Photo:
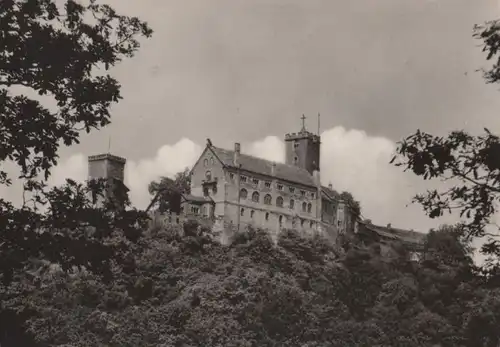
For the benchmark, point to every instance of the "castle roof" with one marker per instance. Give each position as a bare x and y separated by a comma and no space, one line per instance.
388,232
250,163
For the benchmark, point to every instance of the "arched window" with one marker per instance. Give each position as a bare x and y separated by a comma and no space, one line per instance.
208,175
268,200
212,161
279,201
309,207
255,196
304,207
243,193
252,213
267,215
242,212
205,162
292,204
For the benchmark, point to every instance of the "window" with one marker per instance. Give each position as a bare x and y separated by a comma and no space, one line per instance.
279,201
312,195
267,215
243,178
311,224
267,184
292,204
195,210
295,160
242,212
301,222
205,213
243,193
302,193
281,220
268,200
255,181
205,162
295,144
252,213
309,207
205,191
280,187
255,197
304,207
214,189
292,189
231,175
208,175
211,161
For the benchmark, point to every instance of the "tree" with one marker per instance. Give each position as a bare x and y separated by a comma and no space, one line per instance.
168,191
60,50
471,163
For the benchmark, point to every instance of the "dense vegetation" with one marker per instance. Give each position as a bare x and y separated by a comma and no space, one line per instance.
180,288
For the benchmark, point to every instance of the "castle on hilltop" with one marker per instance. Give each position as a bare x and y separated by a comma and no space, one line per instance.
232,190
246,190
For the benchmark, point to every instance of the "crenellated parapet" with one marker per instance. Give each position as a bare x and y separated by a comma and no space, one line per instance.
303,135
108,156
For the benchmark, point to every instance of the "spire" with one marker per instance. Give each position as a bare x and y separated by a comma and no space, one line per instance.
303,123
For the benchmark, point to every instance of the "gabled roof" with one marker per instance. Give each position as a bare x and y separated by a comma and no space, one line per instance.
330,193
261,166
407,236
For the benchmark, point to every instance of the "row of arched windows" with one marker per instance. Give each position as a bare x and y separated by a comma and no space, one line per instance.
280,218
268,200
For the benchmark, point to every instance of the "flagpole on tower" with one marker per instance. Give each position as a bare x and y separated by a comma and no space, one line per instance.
318,122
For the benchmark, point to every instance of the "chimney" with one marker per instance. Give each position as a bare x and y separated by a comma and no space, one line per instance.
330,186
389,226
273,169
237,152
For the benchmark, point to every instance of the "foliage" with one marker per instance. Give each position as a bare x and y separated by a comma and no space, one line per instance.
54,84
169,191
296,292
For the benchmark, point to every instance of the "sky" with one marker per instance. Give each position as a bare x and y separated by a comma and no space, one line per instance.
245,71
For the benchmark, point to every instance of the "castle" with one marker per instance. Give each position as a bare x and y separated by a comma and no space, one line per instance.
236,190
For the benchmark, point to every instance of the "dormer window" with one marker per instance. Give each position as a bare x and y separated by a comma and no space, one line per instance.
292,189
280,187
243,178
267,184
255,181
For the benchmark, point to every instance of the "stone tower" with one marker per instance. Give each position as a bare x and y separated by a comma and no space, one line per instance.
109,167
303,149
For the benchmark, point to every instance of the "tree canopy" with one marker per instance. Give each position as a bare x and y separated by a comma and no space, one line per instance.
54,85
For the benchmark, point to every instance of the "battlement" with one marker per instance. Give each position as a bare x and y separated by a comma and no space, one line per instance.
107,156
302,135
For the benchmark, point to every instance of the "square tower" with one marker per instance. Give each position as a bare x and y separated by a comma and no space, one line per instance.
303,149
109,167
